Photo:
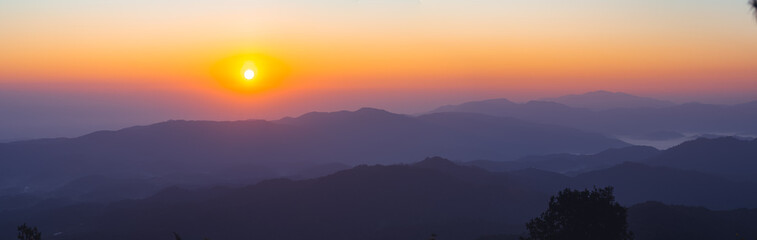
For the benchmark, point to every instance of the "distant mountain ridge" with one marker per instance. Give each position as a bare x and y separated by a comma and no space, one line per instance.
605,100
228,152
571,163
632,119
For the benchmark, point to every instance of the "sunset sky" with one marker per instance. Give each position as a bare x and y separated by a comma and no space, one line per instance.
112,64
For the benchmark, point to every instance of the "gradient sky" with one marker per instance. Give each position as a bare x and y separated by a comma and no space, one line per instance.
68,67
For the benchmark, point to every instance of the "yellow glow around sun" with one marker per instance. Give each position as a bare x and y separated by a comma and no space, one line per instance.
237,73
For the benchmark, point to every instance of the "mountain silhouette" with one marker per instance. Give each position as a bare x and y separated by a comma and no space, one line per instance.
604,100
624,121
659,136
405,201
366,202
657,221
571,163
636,183
726,156
244,152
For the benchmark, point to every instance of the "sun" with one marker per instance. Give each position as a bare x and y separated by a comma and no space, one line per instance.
249,74
248,69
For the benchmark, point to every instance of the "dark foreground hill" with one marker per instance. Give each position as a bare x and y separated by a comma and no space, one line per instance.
657,221
245,152
366,202
373,202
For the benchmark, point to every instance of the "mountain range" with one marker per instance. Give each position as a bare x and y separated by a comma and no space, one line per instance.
632,117
571,164
605,100
384,202
244,152
726,157
353,175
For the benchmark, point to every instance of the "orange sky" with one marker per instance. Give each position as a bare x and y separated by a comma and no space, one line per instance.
336,54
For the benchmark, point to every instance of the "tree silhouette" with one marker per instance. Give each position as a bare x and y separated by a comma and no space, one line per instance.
754,6
27,233
585,215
